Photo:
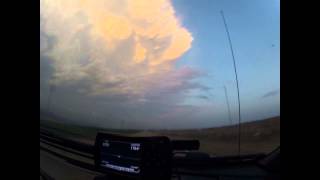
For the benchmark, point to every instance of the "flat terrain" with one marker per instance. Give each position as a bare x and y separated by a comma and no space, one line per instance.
256,137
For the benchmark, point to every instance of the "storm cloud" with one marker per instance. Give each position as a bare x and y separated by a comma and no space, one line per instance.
111,42
114,61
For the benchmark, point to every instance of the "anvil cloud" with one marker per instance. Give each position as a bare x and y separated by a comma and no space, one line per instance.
115,45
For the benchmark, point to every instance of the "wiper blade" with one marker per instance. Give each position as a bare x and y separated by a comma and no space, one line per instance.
200,159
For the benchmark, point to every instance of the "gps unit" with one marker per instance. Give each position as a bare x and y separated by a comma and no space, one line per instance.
134,157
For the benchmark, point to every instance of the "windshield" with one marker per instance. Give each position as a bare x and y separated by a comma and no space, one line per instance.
163,67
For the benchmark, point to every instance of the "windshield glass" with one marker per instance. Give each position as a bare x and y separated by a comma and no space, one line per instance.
163,67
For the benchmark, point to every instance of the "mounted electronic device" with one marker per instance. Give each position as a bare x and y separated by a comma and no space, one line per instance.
134,157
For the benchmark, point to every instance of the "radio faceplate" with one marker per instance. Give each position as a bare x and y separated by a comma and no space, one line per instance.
135,157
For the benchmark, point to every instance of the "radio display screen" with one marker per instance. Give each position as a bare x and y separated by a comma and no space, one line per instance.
140,157
121,156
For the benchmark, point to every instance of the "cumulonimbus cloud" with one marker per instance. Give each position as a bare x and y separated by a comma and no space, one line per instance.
117,46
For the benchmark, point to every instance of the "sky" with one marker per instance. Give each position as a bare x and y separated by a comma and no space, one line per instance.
158,64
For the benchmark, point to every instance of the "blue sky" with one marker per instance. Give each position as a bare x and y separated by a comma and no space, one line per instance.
254,27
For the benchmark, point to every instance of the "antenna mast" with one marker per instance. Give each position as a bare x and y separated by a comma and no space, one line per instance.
237,82
228,104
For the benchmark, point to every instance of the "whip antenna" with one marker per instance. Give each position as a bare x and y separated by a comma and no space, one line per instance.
237,82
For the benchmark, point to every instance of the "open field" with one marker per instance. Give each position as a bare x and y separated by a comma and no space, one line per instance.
256,137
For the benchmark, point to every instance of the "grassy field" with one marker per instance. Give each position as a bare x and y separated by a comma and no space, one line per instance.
256,137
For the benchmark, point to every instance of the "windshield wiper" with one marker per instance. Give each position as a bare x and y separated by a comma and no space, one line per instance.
201,159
